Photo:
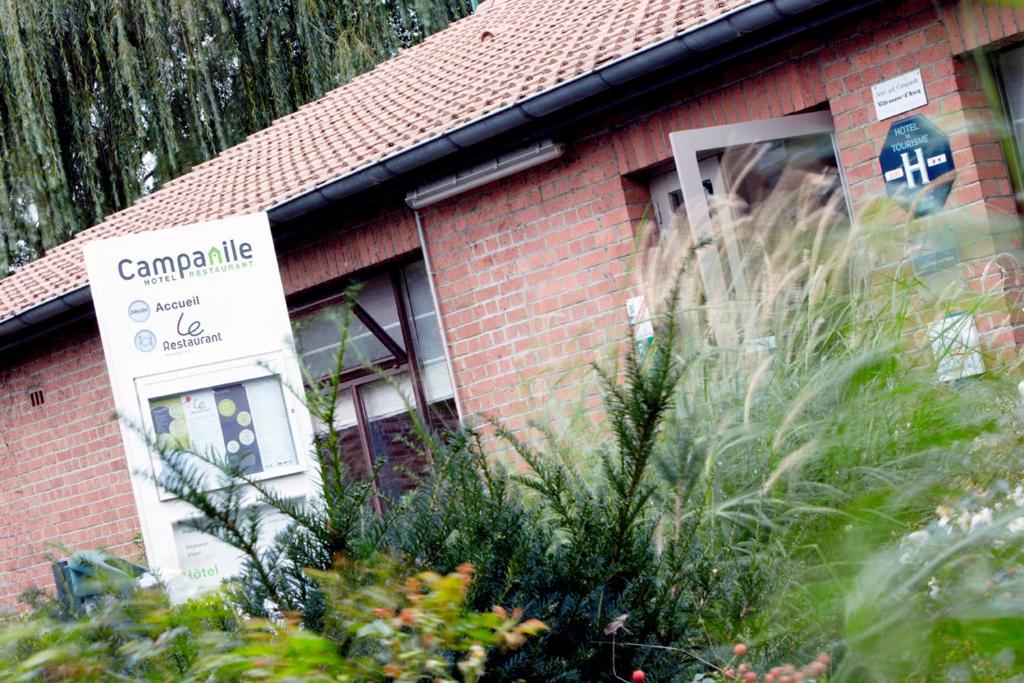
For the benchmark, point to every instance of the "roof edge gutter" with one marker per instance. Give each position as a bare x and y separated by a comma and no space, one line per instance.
24,322
688,46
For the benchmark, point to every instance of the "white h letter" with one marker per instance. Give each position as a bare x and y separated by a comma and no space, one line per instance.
920,166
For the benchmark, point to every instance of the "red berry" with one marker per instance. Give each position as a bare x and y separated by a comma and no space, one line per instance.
740,650
769,677
750,677
824,658
639,676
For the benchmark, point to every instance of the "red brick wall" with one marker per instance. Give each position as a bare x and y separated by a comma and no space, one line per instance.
531,273
64,476
361,242
990,23
913,35
837,71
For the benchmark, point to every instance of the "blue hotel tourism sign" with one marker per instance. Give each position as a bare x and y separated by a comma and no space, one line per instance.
916,155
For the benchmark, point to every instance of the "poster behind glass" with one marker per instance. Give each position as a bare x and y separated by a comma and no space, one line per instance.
245,421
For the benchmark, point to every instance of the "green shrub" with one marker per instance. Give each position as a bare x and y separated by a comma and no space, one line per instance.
813,434
568,548
380,627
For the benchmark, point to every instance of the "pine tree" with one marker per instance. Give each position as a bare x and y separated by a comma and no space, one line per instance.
571,547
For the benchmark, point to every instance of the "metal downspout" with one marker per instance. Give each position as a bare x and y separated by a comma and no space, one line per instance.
437,310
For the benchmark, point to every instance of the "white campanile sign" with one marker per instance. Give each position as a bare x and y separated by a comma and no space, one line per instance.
200,354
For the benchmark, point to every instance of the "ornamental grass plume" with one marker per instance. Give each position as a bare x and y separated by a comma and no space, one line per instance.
810,428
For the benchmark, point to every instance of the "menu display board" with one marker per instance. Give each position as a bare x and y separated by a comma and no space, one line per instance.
231,419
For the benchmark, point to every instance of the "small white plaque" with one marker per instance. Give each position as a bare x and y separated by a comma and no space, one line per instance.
898,95
956,347
640,319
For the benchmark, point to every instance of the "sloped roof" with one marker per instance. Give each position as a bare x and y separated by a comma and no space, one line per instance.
508,51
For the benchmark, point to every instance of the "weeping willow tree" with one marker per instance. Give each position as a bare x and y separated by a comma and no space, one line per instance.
101,101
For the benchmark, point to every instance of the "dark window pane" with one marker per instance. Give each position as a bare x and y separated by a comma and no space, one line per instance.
444,416
352,456
393,442
392,445
418,287
427,333
377,297
318,335
1012,67
401,464
349,452
755,172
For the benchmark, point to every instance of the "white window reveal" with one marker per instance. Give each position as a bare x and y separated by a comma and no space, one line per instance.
1011,71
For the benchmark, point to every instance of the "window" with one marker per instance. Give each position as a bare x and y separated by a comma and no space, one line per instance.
395,327
1011,70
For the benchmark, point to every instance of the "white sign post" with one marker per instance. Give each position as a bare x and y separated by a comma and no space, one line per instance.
200,354
898,95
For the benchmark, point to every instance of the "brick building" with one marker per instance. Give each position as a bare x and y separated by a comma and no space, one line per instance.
487,187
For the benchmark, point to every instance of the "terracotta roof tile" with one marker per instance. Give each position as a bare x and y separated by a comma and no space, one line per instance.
506,52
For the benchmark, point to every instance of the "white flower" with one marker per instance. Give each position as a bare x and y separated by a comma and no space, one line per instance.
981,517
1017,496
963,520
919,537
1016,525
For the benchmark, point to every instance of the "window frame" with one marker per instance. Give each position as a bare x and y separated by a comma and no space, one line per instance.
689,146
334,292
1013,146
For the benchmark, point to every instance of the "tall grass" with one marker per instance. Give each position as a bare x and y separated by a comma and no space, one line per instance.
810,431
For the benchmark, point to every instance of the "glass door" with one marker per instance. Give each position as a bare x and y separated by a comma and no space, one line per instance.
726,174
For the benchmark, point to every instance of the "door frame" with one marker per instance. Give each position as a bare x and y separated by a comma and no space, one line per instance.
690,146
